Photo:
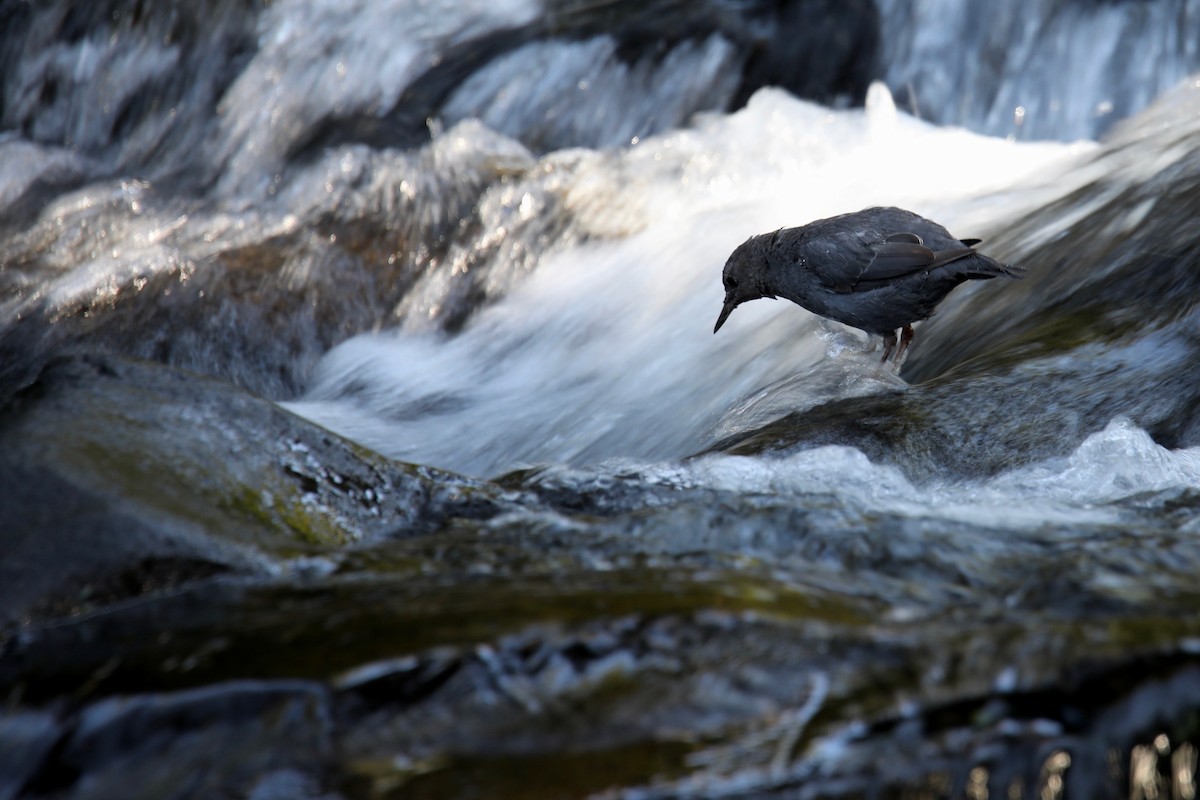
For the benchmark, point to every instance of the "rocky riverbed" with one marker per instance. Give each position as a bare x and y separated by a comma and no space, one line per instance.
363,433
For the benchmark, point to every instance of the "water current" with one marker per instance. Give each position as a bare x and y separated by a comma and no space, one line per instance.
606,551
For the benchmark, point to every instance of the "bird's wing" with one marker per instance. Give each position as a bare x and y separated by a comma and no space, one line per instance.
885,259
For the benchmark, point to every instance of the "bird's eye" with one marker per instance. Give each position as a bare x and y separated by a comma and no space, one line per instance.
731,283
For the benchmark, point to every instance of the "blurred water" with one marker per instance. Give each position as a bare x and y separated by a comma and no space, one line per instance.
229,93
1037,69
318,58
588,94
607,349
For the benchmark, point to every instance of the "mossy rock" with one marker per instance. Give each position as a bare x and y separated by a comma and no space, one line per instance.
110,463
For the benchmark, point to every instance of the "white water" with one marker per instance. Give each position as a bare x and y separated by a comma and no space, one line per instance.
607,350
322,56
1114,464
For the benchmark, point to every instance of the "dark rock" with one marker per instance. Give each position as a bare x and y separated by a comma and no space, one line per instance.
121,478
639,632
257,298
26,739
1109,276
983,424
609,62
66,81
820,50
175,745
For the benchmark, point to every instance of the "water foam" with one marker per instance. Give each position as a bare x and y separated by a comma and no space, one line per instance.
1089,485
607,349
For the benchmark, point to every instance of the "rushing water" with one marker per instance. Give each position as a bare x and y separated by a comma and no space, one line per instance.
607,349
1035,69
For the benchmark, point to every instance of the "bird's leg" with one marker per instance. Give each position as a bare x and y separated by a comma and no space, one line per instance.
889,344
906,337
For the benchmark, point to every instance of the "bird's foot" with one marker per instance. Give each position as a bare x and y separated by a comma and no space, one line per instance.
901,350
889,344
906,337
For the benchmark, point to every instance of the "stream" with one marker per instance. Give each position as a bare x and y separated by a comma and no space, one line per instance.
363,433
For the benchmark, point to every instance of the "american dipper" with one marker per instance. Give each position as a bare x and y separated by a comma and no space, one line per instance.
880,269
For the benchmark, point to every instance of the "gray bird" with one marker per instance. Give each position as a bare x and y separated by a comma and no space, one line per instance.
880,270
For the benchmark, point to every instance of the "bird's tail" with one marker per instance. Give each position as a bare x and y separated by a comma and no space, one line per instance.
981,268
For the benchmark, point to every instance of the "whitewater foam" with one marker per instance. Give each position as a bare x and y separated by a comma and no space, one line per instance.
606,350
1113,465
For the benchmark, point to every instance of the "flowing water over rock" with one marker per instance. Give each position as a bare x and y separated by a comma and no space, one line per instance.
1036,69
364,434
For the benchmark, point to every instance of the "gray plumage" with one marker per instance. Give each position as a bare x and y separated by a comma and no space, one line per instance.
880,270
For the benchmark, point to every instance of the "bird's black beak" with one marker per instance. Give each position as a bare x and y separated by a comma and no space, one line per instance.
730,305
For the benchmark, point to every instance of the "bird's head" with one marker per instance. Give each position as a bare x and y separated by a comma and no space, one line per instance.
745,274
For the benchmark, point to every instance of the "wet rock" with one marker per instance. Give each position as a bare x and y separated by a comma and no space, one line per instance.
172,745
255,296
824,51
1109,262
123,478
617,67
643,630
206,95
121,85
982,425
1008,72
26,738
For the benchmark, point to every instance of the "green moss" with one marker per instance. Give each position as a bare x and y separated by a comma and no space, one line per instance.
145,464
286,514
149,482
871,423
256,631
385,560
1055,332
528,777
233,510
1162,631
